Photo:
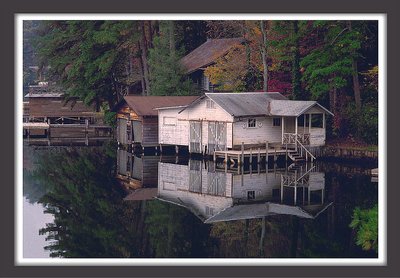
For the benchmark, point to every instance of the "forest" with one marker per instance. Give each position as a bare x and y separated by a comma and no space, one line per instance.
333,62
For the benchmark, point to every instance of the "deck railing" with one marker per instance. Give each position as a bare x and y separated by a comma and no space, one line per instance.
290,138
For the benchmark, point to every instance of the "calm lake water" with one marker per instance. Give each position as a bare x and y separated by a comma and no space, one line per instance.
104,202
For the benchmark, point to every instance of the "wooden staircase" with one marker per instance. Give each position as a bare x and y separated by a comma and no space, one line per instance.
301,153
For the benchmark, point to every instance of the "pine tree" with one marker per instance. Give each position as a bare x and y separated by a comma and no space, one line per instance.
166,74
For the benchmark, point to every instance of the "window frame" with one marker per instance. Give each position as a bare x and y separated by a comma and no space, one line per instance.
275,119
248,123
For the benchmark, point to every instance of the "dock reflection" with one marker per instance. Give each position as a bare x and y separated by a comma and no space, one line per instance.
215,193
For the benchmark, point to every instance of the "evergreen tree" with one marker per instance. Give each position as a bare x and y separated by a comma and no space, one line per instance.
88,58
166,74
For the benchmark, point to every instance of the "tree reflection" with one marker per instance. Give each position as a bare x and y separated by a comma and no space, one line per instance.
90,218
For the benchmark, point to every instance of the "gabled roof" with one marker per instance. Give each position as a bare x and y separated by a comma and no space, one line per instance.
44,95
142,194
292,107
145,105
245,104
208,52
259,210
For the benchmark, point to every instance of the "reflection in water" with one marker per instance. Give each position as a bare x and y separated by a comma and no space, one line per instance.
169,207
215,196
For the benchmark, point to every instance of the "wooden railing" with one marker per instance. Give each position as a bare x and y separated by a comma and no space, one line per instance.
293,179
304,149
290,138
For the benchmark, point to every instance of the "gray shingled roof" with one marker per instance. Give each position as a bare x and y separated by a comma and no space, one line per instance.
251,211
44,95
292,107
245,104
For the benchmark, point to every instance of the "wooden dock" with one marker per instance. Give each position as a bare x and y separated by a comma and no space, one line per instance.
42,133
252,154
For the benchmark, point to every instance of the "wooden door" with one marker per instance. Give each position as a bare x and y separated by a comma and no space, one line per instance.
195,178
216,137
195,137
136,131
121,127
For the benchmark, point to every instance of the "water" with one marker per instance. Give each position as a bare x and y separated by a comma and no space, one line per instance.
109,203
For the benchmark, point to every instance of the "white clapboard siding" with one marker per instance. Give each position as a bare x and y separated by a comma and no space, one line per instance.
262,184
257,135
316,181
317,136
173,185
315,109
172,130
201,112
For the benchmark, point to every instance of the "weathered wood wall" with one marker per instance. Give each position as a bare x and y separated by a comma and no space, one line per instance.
54,107
149,131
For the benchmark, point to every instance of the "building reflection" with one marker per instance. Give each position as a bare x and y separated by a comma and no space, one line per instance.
216,195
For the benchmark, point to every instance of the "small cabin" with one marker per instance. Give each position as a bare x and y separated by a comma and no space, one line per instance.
137,121
225,121
205,55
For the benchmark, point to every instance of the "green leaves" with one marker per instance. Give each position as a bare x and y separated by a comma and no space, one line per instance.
365,222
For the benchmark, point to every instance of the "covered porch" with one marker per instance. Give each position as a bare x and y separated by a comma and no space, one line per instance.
300,128
302,122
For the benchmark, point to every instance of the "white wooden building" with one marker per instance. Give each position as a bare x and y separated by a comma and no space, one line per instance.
215,196
223,121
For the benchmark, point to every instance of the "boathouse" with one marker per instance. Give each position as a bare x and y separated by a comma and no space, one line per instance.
137,121
227,121
50,120
46,104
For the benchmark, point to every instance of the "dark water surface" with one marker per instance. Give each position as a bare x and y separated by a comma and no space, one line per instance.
104,202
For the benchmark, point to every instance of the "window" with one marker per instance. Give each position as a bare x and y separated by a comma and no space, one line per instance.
302,118
251,123
205,83
209,211
276,121
169,121
210,104
317,120
251,195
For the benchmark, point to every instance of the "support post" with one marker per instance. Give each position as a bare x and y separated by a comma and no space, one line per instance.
266,156
238,163
242,157
251,155
259,156
283,126
295,187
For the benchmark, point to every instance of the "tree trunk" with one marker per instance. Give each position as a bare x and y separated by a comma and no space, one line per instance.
262,238
143,48
264,55
142,82
149,23
296,83
356,82
171,31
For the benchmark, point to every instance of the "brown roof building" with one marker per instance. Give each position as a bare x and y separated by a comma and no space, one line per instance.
205,55
137,119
